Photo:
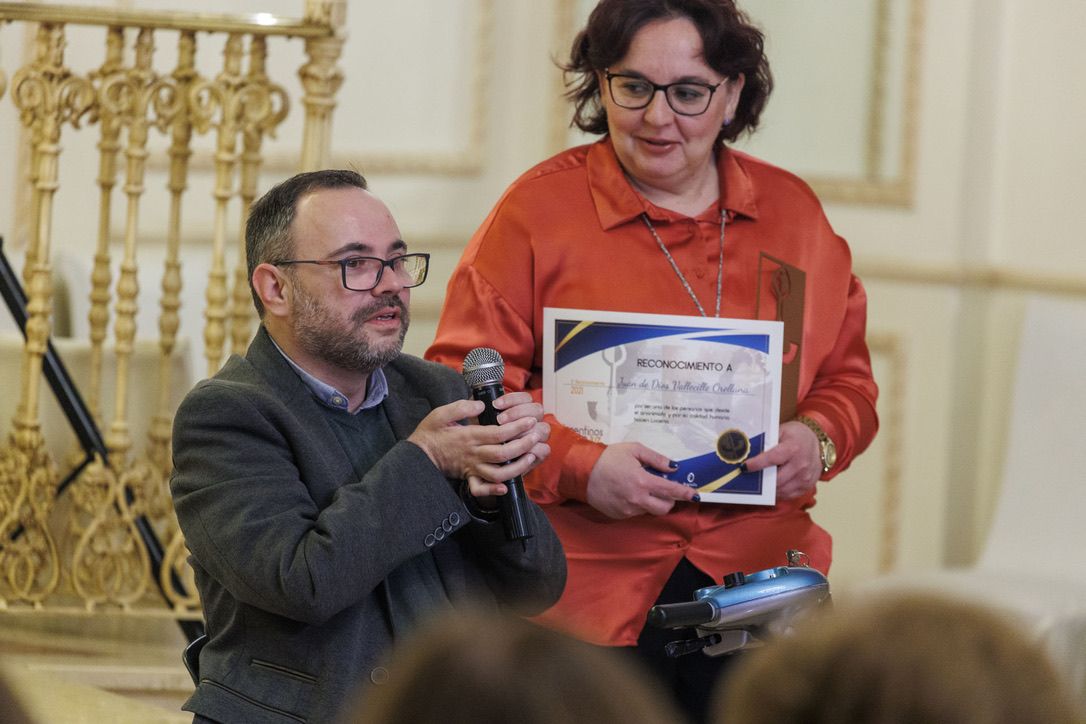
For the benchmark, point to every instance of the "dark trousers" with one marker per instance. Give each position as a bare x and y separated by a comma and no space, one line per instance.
692,679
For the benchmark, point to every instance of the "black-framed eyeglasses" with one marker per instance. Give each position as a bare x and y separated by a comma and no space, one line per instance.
687,98
363,273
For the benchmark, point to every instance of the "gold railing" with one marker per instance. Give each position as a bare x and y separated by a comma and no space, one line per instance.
86,550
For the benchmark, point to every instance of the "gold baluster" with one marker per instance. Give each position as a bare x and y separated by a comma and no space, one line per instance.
47,96
207,97
156,500
108,148
110,562
93,493
170,321
35,203
140,82
35,193
321,79
264,105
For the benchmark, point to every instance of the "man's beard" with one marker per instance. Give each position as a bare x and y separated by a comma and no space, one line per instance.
317,333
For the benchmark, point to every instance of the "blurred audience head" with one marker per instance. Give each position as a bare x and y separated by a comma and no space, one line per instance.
899,659
474,668
12,710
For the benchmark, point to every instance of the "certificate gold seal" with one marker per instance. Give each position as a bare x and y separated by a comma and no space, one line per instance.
733,446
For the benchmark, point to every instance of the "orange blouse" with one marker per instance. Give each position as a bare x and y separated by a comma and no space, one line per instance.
568,234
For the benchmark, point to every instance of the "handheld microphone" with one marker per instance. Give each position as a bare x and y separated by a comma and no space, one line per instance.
483,371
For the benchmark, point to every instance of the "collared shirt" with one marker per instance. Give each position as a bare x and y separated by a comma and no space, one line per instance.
376,390
568,233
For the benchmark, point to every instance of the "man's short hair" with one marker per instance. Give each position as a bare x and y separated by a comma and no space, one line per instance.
267,231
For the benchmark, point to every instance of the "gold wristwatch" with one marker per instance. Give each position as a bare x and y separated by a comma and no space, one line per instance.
826,449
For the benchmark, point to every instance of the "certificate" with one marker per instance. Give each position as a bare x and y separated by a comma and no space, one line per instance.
703,391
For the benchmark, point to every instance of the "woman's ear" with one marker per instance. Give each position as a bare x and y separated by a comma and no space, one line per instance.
273,289
734,90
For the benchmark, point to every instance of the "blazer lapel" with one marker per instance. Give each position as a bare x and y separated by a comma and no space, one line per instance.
269,362
405,407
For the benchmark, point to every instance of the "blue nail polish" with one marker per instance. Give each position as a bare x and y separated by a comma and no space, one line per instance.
672,464
696,498
743,468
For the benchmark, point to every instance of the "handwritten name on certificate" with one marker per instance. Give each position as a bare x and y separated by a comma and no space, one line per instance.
705,392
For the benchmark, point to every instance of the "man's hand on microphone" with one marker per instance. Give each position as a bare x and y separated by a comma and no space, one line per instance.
480,453
620,486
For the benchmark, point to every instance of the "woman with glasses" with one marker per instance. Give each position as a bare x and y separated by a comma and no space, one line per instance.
661,216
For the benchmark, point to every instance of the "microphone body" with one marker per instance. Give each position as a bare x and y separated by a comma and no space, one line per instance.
483,371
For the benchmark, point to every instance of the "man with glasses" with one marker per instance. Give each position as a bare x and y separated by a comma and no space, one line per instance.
327,492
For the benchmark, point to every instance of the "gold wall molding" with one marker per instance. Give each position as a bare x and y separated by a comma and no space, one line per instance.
891,430
468,160
872,188
564,28
992,277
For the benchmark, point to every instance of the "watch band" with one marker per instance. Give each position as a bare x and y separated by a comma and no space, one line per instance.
826,449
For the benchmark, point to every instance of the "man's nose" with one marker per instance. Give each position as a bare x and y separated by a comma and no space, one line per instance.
389,283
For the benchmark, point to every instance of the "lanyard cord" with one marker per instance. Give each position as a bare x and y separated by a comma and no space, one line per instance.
678,272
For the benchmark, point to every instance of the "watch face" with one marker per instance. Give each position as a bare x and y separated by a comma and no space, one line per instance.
829,454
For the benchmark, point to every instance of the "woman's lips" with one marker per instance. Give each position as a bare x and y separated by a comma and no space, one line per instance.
657,144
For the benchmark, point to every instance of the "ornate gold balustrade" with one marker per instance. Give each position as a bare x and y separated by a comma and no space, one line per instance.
84,550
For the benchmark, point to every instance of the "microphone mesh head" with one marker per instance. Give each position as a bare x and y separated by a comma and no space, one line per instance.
483,366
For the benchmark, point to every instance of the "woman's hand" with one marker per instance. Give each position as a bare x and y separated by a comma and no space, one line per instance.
798,461
512,407
619,485
491,454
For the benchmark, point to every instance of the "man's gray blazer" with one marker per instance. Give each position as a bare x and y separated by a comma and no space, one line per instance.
290,548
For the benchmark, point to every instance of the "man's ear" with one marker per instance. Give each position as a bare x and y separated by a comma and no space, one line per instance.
271,285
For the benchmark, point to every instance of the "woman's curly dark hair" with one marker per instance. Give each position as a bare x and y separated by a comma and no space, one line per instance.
733,46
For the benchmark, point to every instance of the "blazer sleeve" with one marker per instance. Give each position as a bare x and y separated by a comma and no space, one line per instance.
526,578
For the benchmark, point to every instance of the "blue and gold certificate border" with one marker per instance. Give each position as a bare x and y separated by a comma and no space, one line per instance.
570,335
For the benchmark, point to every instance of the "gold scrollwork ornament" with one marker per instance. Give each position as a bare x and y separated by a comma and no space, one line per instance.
29,562
110,562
